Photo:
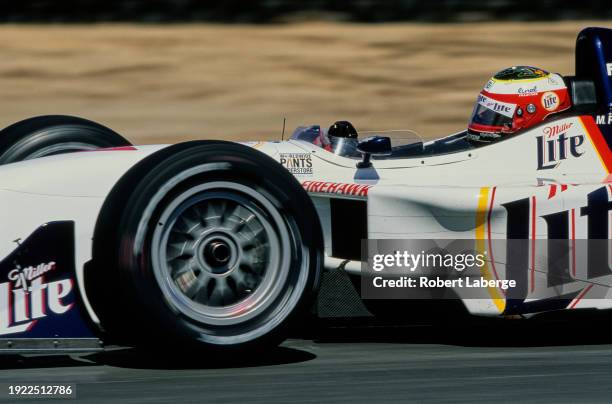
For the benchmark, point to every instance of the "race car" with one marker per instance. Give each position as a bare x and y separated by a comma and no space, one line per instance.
219,245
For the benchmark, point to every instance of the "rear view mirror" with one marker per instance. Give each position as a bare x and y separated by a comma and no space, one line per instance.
373,146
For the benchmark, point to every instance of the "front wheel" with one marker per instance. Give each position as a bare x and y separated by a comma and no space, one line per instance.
216,245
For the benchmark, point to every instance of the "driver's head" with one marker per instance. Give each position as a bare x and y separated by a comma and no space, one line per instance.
516,98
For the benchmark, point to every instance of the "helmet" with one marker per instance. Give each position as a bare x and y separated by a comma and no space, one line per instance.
516,98
342,129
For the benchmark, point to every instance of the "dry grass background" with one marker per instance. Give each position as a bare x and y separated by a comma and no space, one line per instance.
165,83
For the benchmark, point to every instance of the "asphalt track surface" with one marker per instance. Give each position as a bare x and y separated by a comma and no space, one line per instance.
476,364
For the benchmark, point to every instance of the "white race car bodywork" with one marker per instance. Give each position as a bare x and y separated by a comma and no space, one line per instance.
448,196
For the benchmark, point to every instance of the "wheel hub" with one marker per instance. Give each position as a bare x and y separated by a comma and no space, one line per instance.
219,253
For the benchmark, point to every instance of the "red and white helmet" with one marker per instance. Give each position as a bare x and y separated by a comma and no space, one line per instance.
516,98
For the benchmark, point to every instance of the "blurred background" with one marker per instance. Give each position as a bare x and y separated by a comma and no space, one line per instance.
170,70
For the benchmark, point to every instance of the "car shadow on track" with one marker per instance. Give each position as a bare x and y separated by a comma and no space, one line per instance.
39,362
552,330
138,359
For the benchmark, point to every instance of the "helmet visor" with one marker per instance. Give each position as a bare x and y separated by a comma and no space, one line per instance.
492,113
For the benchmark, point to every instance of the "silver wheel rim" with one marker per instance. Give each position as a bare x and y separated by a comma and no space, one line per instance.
221,253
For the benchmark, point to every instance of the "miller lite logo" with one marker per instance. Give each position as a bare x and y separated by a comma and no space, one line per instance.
593,253
550,101
555,146
26,297
503,108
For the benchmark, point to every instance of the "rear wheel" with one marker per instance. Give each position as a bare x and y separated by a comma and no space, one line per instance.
54,134
210,244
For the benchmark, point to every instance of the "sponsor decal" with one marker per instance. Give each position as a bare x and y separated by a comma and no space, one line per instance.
25,297
297,163
550,101
554,130
555,146
38,292
23,276
489,84
605,119
336,188
596,211
503,108
527,91
609,68
522,250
